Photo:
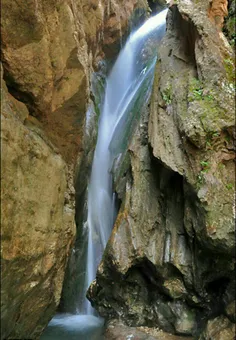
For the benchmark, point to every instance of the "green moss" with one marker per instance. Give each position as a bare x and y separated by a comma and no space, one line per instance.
211,138
230,24
200,179
212,135
229,69
205,167
167,95
196,91
221,166
229,186
211,116
208,108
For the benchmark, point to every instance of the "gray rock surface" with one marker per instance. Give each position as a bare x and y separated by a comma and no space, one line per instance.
169,261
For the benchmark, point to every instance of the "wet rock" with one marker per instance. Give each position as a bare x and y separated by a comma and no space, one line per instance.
117,331
219,328
230,310
229,301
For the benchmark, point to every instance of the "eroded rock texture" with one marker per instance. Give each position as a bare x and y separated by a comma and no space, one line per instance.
218,11
170,259
49,51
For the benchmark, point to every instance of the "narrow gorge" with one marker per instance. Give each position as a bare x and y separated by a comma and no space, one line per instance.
118,170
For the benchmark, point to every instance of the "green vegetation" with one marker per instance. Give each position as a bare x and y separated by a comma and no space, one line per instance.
200,179
231,29
211,137
229,186
230,24
167,95
215,134
230,70
227,138
196,91
209,109
205,167
98,87
221,166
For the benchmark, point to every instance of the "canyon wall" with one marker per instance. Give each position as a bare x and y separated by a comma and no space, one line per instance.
49,52
169,262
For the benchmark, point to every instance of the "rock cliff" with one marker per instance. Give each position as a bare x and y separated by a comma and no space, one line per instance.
170,259
37,227
49,52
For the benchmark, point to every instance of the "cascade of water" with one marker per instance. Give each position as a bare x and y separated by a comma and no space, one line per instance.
133,67
127,91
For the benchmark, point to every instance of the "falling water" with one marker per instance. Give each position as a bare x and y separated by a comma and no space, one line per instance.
134,66
128,89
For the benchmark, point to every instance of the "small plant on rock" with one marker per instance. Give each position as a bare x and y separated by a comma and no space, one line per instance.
167,96
205,166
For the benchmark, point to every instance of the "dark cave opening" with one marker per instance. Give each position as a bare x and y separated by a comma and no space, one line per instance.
218,286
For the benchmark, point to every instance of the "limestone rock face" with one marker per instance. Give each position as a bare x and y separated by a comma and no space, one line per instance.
37,230
169,261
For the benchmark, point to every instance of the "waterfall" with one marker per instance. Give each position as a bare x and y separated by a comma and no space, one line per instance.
133,68
127,91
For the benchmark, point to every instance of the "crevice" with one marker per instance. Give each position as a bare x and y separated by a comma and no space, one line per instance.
24,97
218,286
186,34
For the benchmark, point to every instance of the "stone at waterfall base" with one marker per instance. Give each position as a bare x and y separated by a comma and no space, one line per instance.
116,330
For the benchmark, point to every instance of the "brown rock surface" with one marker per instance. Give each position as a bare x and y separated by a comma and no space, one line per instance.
218,11
37,230
49,51
48,55
219,328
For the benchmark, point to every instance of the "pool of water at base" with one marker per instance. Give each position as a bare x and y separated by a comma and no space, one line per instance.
74,327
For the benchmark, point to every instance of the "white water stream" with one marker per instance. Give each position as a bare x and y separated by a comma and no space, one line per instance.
129,82
132,67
